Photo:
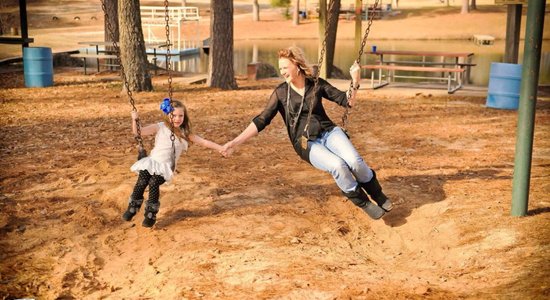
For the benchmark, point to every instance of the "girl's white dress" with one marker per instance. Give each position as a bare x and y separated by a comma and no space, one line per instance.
159,160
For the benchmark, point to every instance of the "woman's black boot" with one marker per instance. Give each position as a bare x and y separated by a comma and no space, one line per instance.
374,190
133,208
359,198
151,210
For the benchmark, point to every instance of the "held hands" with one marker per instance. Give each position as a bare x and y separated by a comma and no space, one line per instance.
227,149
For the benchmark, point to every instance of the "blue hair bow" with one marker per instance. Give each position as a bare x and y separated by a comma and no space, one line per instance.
165,106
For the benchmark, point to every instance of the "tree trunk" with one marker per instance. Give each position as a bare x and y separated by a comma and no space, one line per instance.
322,29
296,14
358,24
255,11
473,5
331,37
111,26
111,21
220,71
132,46
465,7
183,2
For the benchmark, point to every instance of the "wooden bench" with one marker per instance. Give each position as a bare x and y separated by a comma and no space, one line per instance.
453,75
99,56
16,40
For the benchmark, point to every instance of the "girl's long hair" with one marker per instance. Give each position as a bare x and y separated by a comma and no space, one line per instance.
297,57
185,127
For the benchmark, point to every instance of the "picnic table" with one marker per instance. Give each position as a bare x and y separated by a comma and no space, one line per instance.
105,51
452,66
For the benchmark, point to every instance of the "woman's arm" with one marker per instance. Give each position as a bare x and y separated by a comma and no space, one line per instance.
147,130
333,94
248,133
204,142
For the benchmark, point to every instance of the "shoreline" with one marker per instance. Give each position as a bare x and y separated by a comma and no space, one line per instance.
422,24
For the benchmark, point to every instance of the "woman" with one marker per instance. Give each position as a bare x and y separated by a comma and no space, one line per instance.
314,136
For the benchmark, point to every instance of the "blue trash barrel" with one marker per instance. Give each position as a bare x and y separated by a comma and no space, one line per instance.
38,66
504,86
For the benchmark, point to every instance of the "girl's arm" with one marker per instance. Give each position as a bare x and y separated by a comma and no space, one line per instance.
147,130
248,133
204,142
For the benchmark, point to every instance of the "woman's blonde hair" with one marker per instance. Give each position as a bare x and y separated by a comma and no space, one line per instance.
185,127
296,56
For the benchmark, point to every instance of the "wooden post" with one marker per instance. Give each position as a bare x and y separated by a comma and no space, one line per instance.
513,25
24,25
358,24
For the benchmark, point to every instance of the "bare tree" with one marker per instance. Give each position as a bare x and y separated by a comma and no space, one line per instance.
296,14
112,33
111,21
465,7
255,11
333,13
132,46
220,71
322,29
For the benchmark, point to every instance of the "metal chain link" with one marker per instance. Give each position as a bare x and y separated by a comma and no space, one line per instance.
170,90
110,31
319,65
358,61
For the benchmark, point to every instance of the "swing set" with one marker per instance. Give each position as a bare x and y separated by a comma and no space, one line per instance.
357,60
141,149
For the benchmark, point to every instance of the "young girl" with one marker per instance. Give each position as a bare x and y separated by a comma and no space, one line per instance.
156,169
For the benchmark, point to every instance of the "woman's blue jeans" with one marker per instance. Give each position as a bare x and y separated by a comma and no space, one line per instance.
334,153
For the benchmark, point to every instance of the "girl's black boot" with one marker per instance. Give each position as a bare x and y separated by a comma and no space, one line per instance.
151,210
374,190
133,208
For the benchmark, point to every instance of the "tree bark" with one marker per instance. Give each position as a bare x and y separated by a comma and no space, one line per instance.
322,28
465,7
358,24
111,21
255,11
132,46
331,37
220,71
296,14
111,26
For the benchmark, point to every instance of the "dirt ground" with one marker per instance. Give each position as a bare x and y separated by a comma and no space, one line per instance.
263,224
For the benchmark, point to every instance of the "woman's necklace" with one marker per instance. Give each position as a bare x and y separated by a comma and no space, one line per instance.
293,117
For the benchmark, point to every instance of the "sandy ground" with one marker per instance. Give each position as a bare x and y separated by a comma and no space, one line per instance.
263,224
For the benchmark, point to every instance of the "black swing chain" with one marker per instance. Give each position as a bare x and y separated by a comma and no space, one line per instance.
170,90
358,61
319,65
110,30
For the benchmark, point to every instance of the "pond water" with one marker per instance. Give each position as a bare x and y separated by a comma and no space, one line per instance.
266,51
